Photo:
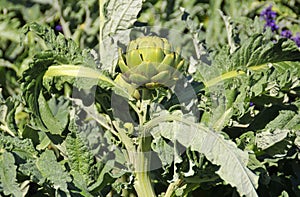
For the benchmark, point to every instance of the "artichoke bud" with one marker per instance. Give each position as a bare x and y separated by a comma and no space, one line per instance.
169,59
180,65
161,77
147,69
150,62
166,46
178,60
150,69
138,78
133,58
132,45
124,68
152,54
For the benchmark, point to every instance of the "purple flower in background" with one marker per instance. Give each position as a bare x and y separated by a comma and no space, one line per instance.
58,28
269,16
296,39
286,33
272,25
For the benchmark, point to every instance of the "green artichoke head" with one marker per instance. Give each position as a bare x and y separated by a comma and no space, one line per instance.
150,62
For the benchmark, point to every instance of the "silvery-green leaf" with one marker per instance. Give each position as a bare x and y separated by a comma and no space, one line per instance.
232,161
116,17
8,175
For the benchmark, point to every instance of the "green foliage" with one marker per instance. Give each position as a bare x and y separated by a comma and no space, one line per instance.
8,174
54,115
8,109
117,17
221,152
80,159
228,127
21,147
53,174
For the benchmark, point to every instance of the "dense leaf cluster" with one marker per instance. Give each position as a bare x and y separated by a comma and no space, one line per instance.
230,126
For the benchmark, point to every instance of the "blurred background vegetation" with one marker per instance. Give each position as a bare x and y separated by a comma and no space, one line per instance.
80,20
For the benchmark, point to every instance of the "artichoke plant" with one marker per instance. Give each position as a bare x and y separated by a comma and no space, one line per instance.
150,62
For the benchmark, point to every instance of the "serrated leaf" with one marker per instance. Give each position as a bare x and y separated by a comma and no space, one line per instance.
257,51
232,161
30,169
79,158
22,147
256,69
79,182
274,136
8,173
253,55
32,84
116,16
53,172
120,15
268,138
164,151
232,35
60,51
285,120
65,50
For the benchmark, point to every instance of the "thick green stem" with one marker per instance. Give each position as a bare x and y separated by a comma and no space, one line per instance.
146,97
142,184
172,187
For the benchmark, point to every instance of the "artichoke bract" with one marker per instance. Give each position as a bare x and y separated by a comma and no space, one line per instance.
150,62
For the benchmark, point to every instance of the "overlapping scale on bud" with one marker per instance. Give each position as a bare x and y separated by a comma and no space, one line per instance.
150,62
